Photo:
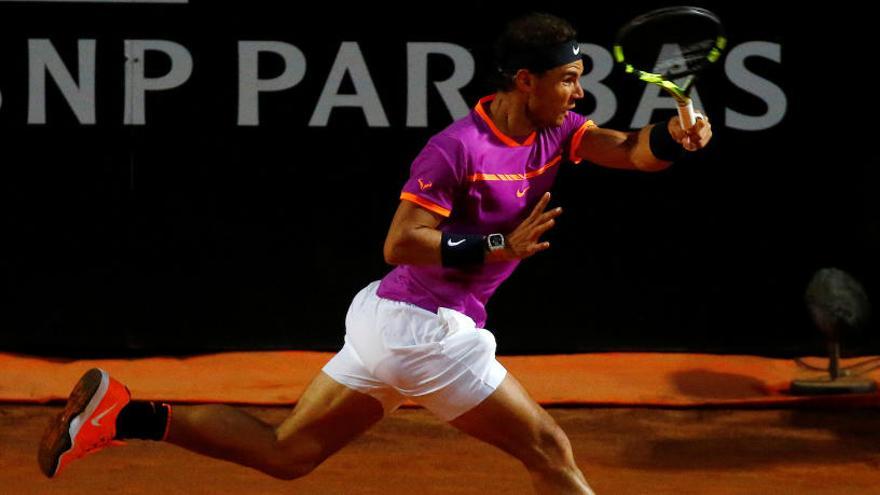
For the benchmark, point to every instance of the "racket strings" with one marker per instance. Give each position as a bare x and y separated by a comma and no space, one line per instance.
670,47
682,62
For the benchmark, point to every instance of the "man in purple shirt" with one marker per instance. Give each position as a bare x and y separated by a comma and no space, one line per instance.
479,181
475,205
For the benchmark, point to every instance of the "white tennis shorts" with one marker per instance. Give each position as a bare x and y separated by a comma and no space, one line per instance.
395,351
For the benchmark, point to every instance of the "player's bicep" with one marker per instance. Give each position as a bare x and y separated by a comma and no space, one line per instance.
410,215
617,149
608,147
413,236
427,199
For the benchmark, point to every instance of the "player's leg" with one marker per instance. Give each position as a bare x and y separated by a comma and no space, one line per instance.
512,421
460,381
327,417
342,402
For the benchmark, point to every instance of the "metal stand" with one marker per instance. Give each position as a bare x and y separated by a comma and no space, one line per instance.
837,382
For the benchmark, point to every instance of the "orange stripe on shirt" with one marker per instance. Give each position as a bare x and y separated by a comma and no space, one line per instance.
553,163
576,141
516,177
424,203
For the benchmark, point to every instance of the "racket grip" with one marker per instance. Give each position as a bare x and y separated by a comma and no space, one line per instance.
686,114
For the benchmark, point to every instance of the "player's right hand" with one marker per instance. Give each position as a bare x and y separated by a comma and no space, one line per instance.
695,138
525,241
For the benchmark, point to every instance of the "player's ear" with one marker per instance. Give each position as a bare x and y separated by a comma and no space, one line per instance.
524,80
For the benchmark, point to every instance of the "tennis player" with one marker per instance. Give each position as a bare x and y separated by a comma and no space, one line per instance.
475,205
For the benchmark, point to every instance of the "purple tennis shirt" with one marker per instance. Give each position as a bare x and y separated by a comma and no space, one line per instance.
483,182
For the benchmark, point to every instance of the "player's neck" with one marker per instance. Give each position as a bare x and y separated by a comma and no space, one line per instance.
508,113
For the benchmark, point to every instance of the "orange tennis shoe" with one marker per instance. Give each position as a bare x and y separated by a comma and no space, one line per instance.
87,423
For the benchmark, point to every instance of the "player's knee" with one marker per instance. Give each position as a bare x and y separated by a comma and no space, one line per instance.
286,470
551,450
289,464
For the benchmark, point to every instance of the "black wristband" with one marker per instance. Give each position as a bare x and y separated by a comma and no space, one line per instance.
663,147
457,250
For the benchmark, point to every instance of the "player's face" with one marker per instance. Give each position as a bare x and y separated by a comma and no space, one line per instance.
555,93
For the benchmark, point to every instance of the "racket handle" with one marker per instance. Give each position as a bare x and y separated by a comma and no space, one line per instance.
686,114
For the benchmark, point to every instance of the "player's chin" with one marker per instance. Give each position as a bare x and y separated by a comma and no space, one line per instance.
553,120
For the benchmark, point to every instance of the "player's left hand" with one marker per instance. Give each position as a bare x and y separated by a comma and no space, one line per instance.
695,138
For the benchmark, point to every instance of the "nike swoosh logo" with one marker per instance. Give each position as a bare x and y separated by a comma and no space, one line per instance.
96,421
456,243
576,49
425,185
521,193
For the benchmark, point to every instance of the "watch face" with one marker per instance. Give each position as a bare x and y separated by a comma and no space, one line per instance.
496,241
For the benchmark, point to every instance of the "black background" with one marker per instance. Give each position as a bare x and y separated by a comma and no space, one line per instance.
193,234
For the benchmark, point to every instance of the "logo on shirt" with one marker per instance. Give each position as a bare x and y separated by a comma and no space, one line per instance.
576,49
425,185
522,192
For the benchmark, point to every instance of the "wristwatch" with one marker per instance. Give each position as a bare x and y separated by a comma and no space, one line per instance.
495,242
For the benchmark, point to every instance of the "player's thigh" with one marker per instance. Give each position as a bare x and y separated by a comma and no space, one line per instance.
327,416
512,421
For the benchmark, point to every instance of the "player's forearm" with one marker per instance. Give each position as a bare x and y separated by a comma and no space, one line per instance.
415,246
643,156
622,150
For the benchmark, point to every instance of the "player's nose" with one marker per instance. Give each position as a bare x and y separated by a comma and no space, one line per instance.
578,90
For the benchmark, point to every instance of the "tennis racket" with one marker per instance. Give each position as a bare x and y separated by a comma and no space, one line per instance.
646,48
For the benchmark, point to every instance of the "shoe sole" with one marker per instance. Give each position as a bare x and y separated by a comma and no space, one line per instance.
61,432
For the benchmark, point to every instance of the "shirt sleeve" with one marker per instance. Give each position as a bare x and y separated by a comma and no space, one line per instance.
435,179
576,127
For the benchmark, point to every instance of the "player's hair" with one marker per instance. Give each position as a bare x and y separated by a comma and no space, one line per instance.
524,34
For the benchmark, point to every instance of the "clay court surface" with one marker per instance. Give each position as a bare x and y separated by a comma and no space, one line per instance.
639,424
621,450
